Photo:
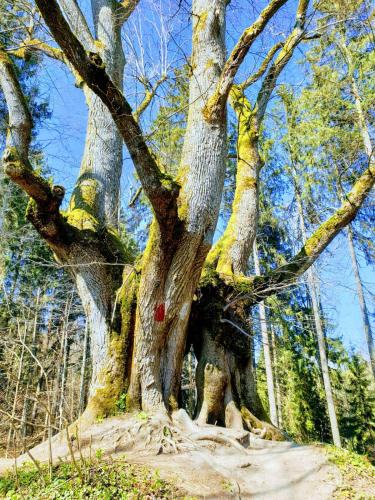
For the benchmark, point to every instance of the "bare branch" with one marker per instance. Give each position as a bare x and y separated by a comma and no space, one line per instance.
161,191
149,95
135,197
216,103
282,60
263,67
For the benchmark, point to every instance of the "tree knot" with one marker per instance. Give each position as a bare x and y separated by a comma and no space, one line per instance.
95,59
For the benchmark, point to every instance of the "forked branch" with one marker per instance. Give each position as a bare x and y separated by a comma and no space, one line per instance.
216,104
162,192
282,60
44,212
264,286
262,68
149,95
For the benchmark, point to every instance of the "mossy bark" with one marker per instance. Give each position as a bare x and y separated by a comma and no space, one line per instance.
115,372
231,253
169,276
173,261
225,376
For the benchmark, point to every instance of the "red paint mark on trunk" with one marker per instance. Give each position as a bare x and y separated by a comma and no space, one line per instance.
159,314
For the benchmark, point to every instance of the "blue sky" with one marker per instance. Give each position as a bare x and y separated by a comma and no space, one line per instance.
62,139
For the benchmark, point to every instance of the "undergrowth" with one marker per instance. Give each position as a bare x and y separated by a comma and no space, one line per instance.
357,472
104,480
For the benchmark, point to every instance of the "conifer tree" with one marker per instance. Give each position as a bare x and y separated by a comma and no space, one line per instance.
358,421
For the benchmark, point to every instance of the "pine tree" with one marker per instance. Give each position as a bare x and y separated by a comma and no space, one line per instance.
358,422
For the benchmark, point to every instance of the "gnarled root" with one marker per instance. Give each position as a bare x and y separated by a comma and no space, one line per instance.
194,432
151,434
262,429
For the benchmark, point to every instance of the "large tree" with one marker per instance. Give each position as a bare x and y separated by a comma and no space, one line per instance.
140,315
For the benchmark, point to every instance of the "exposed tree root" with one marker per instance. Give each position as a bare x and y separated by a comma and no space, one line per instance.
262,429
145,435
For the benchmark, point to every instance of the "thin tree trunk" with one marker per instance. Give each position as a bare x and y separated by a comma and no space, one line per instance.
311,282
23,429
31,370
362,301
37,392
266,346
369,150
63,379
16,390
362,122
82,384
277,381
57,378
65,357
357,277
319,332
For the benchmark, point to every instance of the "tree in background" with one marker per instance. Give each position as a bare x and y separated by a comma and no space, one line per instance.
357,422
38,329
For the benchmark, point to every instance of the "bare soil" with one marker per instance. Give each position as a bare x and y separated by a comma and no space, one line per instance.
203,461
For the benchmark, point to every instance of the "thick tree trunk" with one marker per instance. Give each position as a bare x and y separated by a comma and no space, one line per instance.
94,209
109,308
138,320
174,258
225,374
231,253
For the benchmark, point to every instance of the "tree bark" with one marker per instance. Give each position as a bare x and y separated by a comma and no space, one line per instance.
16,389
277,380
172,263
362,301
266,348
82,384
138,316
225,375
65,361
218,364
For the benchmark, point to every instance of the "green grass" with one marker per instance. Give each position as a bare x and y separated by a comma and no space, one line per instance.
358,474
104,480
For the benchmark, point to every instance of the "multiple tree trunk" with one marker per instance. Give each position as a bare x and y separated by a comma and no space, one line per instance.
141,318
311,283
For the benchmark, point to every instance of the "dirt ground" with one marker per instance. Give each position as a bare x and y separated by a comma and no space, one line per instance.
208,468
282,473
